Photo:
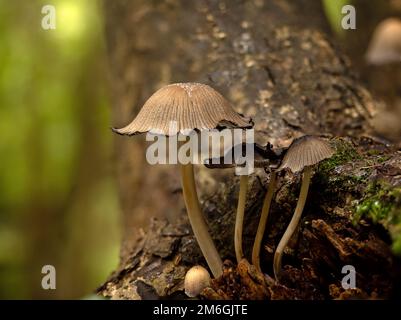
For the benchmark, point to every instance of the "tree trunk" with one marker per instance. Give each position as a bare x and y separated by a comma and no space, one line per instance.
274,62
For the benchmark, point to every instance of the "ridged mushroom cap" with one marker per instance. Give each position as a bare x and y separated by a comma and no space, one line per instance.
305,151
191,106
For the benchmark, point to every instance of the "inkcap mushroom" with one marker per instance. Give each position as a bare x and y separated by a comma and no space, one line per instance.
271,161
196,279
385,46
263,220
303,154
269,157
191,107
239,217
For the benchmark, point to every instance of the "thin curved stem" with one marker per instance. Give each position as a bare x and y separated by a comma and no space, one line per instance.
239,219
262,222
198,222
293,223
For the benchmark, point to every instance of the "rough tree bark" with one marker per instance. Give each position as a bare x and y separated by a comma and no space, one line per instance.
275,63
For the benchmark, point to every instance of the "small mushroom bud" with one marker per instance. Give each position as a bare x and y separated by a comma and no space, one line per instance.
196,279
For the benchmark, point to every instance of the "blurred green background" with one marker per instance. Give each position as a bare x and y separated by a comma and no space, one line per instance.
58,201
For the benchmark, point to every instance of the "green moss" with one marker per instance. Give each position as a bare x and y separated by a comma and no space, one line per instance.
345,152
373,152
382,159
382,204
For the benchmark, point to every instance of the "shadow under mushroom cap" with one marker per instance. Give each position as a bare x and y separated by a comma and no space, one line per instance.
305,151
181,107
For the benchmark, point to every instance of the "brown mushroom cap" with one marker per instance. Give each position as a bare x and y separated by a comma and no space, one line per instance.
385,46
193,106
305,151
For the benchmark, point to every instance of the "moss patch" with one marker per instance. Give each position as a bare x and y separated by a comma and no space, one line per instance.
345,152
334,175
347,171
382,204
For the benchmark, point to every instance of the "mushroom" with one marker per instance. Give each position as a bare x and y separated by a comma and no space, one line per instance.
268,156
262,221
189,106
303,154
239,217
196,279
385,46
271,158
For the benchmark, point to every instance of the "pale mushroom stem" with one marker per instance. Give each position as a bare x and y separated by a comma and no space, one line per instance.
262,222
198,222
293,223
239,219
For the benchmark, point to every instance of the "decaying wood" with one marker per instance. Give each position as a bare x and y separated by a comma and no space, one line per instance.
329,236
274,62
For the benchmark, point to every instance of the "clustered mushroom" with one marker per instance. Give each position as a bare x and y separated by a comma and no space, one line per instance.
198,107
